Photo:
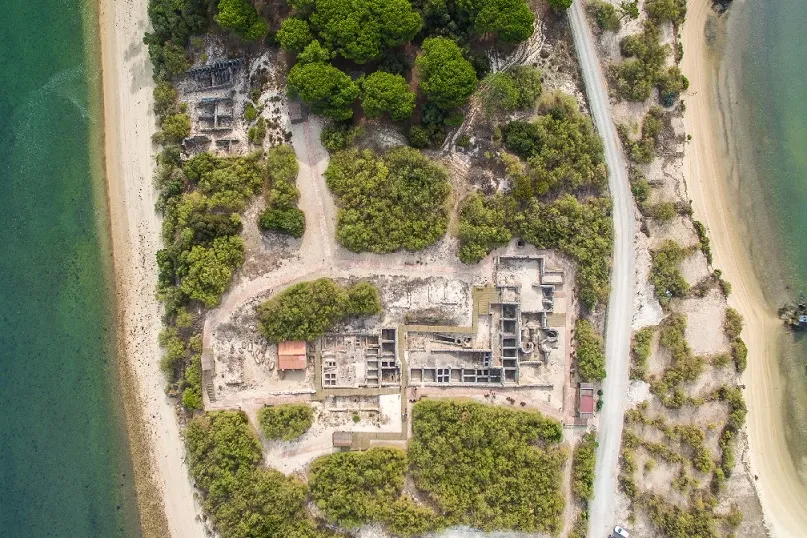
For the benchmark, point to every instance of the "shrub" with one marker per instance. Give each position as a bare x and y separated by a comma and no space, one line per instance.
662,211
286,422
281,213
605,15
418,137
590,353
390,202
666,10
338,136
174,129
483,227
355,488
305,311
640,349
733,324
665,276
488,467
165,99
739,353
583,463
257,133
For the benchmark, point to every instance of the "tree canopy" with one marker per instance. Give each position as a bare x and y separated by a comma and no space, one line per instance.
281,213
384,92
447,78
389,202
294,34
483,227
489,467
360,30
307,310
241,17
354,488
328,90
512,21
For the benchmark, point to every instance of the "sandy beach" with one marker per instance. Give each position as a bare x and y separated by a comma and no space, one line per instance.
165,494
708,167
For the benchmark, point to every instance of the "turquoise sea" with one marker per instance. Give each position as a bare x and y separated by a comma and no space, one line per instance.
765,65
64,461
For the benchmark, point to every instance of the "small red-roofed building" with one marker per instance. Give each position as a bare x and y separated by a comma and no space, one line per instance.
291,355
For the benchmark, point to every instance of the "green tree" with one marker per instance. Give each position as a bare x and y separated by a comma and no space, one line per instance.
528,83
294,34
512,21
175,59
176,128
583,463
314,52
240,17
384,92
447,78
498,93
328,90
605,15
165,99
590,353
361,30
209,270
560,4
363,299
286,422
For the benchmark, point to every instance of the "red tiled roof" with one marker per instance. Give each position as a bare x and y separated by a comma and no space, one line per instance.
291,355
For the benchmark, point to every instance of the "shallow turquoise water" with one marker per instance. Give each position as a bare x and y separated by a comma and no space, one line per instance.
64,462
766,58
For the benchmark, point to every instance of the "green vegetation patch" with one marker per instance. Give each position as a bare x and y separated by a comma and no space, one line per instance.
286,422
389,202
561,148
583,462
241,18
447,78
483,226
643,151
605,15
640,350
590,352
305,311
242,499
505,91
281,213
488,466
665,275
355,488
387,93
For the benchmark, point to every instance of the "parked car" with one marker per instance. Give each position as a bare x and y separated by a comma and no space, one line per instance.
620,532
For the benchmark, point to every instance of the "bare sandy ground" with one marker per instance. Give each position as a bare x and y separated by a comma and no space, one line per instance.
165,494
782,494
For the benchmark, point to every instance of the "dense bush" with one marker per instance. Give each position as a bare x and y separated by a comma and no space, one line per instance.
511,21
257,133
583,463
281,213
361,31
640,349
355,488
488,466
447,78
739,353
328,90
483,226
665,275
338,136
561,148
590,352
240,17
173,22
582,231
242,499
605,15
307,310
643,151
384,92
286,422
733,324
390,202
666,10
505,91
635,78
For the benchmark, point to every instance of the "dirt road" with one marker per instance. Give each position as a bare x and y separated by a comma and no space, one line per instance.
617,336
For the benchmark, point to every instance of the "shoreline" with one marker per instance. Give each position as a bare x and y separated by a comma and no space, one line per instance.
165,496
708,166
